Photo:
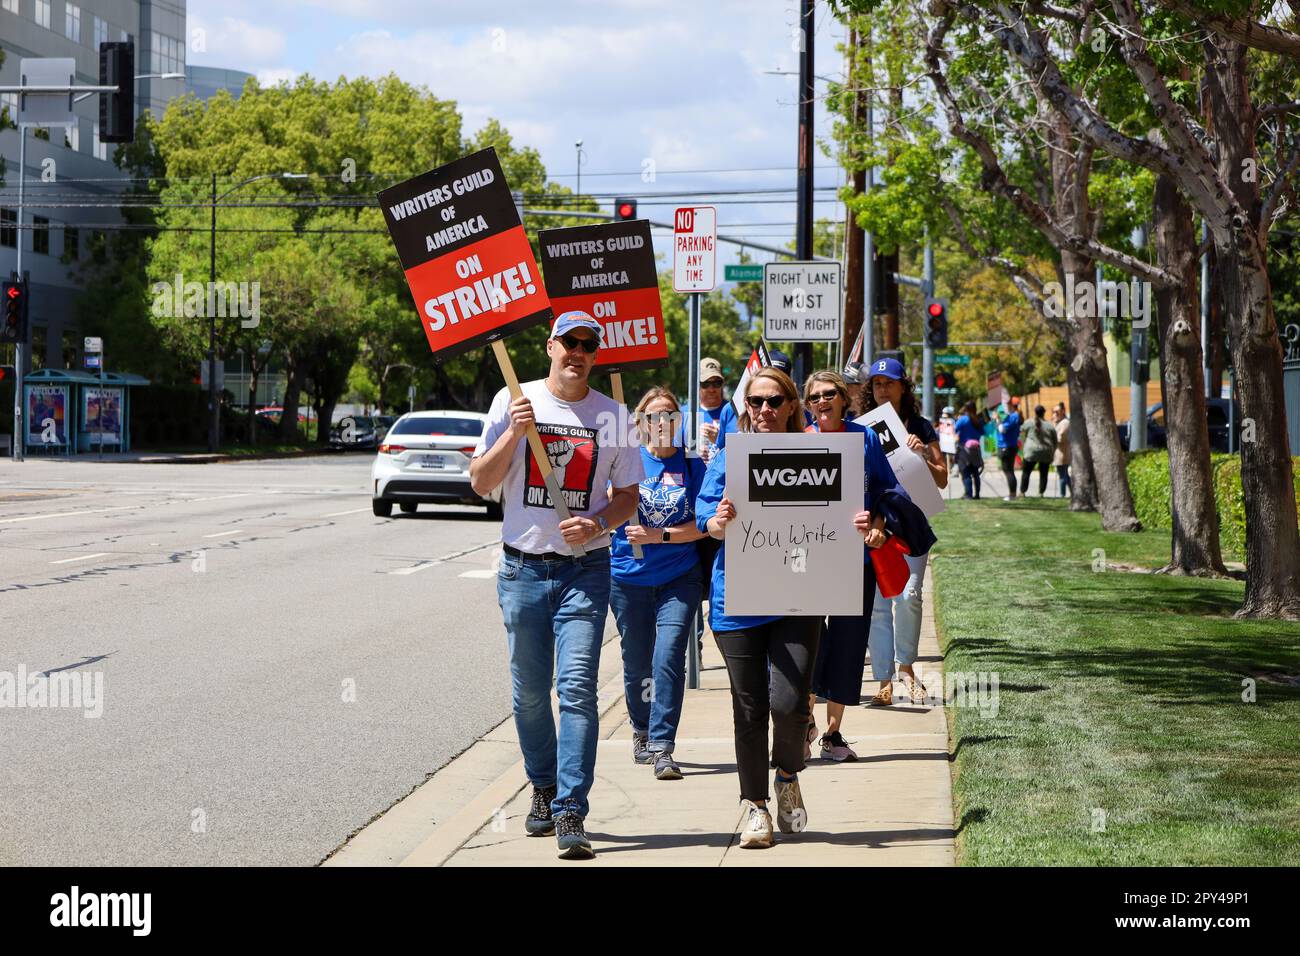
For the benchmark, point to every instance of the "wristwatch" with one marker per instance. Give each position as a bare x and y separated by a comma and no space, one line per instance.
664,536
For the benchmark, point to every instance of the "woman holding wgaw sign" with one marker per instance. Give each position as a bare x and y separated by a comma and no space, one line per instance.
770,659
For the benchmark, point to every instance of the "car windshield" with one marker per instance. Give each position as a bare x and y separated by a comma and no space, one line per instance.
424,425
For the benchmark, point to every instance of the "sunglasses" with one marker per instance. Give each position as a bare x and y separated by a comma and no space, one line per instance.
571,342
757,401
820,397
712,383
659,418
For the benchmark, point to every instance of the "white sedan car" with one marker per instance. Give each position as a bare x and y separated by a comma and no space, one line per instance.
424,459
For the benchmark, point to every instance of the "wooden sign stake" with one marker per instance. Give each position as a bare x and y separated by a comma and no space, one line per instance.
535,440
616,386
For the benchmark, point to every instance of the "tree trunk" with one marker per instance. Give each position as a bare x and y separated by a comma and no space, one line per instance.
324,419
1272,538
1195,539
854,238
1083,481
288,430
252,403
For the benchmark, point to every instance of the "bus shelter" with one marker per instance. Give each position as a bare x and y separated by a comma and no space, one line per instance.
67,411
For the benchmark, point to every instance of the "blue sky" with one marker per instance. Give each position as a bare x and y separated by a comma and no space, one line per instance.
665,85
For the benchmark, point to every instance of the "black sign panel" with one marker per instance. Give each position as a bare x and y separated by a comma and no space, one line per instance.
802,477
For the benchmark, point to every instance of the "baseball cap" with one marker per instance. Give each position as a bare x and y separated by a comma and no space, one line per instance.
948,409
710,368
780,361
1015,402
575,319
889,368
853,373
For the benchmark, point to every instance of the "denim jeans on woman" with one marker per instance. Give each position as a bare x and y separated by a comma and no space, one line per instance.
555,617
896,624
654,622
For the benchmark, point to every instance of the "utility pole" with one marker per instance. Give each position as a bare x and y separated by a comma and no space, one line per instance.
927,351
804,188
854,237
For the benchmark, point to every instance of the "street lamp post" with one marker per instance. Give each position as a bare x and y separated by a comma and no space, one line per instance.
214,404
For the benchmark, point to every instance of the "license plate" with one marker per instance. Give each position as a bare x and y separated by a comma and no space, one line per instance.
433,461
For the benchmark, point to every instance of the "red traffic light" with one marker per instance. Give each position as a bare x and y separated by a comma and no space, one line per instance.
936,309
626,209
13,292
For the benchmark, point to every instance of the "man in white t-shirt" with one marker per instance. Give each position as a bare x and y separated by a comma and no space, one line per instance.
553,601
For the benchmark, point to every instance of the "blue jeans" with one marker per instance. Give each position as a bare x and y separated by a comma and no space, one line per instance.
896,624
655,622
555,618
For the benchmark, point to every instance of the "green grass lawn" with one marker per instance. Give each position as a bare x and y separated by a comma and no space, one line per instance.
1119,692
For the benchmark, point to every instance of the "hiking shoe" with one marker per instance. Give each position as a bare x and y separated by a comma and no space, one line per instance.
571,838
835,747
539,822
757,834
791,816
666,767
641,752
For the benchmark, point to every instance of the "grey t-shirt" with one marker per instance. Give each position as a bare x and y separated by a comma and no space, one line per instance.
588,451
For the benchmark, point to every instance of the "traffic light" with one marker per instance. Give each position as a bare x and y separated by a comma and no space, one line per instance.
117,110
14,327
624,209
936,323
945,380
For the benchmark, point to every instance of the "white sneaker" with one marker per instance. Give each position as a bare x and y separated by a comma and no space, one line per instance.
791,816
757,834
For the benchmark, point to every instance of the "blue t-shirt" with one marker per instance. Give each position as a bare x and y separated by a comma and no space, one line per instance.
1009,433
667,499
967,430
877,476
706,415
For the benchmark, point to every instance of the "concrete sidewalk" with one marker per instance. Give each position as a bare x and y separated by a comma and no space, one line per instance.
893,806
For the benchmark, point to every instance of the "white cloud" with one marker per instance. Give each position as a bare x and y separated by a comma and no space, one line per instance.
232,42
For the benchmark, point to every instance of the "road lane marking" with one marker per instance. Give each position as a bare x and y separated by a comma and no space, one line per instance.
424,565
223,534
479,573
340,514
84,557
68,514
187,501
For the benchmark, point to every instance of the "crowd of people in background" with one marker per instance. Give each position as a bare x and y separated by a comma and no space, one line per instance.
648,546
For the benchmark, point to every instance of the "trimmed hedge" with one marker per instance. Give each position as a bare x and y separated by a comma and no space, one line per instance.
1148,475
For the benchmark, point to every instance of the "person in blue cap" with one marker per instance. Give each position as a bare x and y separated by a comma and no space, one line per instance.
555,601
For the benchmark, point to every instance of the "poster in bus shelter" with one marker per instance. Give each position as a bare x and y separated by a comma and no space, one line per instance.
47,414
102,415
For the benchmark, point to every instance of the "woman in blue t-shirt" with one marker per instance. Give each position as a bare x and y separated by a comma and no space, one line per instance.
896,622
970,459
655,597
770,659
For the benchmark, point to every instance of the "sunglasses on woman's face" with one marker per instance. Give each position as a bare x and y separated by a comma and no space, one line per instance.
773,401
571,342
712,383
819,397
659,418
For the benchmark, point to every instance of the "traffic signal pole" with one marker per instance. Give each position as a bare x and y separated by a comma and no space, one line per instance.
19,435
927,353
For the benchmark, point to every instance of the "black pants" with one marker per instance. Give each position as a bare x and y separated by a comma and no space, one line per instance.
1043,468
789,645
1007,457
842,653
1063,472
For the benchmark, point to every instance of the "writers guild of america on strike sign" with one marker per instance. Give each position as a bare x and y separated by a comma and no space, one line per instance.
695,241
467,260
802,301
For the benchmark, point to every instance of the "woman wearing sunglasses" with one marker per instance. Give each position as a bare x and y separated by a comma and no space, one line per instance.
842,653
655,597
896,622
769,659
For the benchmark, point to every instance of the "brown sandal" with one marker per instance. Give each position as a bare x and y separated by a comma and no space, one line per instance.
915,689
884,697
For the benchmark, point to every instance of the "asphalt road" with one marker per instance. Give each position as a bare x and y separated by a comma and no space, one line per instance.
278,664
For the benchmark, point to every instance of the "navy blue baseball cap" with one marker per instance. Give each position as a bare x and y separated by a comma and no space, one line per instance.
575,319
779,360
889,368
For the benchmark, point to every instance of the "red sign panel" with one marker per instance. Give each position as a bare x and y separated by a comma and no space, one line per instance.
468,263
608,271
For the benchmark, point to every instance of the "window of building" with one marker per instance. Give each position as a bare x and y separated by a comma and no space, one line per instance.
71,244
166,54
43,13
99,150
72,138
101,32
9,228
41,235
10,5
72,22
8,110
